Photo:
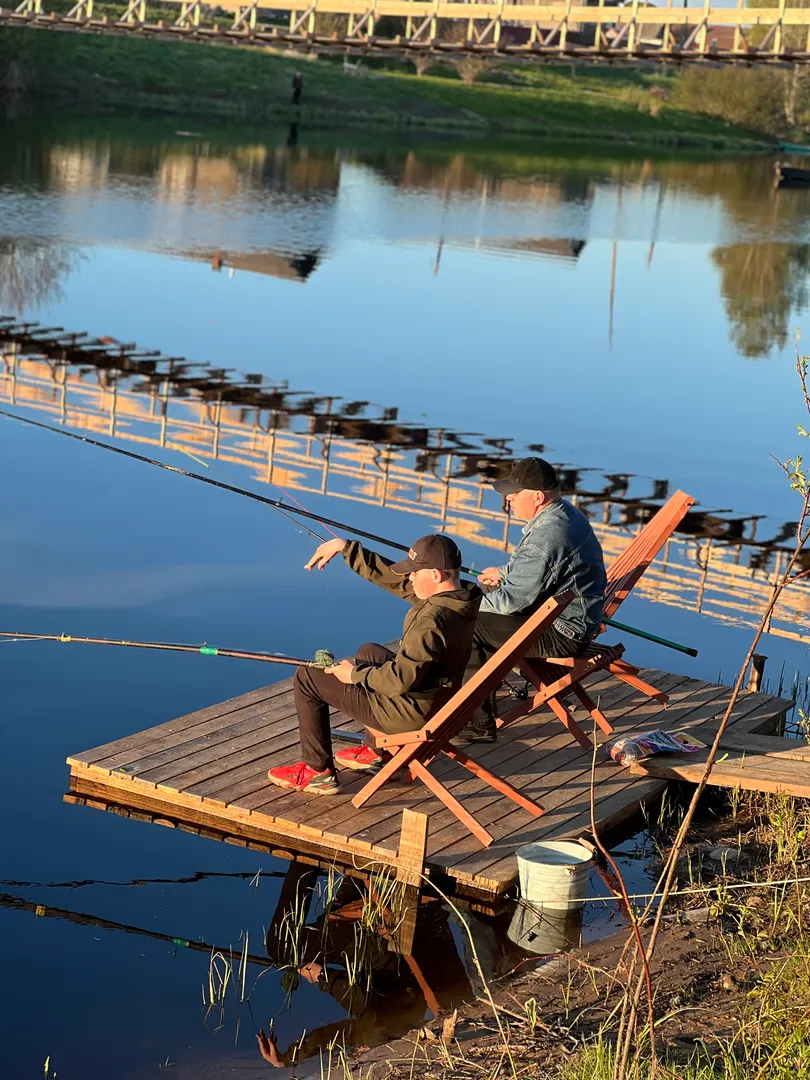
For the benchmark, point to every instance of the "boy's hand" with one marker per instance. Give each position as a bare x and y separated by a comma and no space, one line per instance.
342,671
325,553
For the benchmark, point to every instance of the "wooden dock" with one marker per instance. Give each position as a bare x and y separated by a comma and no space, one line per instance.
206,772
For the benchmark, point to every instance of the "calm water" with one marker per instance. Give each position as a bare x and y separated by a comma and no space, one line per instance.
631,317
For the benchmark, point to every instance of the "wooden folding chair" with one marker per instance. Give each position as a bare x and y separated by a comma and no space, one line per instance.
556,678
415,750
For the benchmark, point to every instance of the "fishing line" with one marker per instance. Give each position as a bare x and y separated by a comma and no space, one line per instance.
326,522
298,524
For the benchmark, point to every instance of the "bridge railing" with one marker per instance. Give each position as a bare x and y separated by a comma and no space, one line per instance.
668,32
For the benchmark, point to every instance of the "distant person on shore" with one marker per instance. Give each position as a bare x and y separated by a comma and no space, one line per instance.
558,551
297,87
393,691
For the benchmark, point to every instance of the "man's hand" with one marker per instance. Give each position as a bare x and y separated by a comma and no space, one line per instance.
325,553
268,1048
342,671
491,576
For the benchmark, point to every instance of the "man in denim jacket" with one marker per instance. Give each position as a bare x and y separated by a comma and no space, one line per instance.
558,551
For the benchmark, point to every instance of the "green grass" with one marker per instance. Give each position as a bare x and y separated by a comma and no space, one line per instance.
108,72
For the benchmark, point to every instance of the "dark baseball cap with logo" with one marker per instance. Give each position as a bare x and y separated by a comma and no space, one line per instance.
532,474
432,552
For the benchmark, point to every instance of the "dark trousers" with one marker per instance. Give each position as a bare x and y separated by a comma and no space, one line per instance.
315,691
491,632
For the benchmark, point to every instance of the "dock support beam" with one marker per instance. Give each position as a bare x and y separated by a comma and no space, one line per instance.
410,872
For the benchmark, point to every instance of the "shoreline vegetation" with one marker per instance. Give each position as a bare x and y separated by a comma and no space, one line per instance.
598,105
731,975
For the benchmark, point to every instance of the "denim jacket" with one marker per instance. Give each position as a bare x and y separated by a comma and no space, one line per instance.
558,551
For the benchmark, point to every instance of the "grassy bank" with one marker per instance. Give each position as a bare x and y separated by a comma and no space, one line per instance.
593,104
731,976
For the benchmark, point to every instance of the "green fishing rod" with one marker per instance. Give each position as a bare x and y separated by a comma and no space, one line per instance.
322,658
286,509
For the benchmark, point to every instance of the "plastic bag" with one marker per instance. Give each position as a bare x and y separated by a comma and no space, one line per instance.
633,748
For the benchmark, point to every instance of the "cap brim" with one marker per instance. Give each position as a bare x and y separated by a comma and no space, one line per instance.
403,568
506,487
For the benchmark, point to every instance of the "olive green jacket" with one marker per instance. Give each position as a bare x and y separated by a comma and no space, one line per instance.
429,664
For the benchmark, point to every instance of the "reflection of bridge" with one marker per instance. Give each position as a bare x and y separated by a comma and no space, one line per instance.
716,565
634,31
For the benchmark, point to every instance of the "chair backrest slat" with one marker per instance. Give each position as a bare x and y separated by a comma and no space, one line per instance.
623,574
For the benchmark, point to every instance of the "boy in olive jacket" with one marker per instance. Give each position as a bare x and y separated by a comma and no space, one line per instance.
392,691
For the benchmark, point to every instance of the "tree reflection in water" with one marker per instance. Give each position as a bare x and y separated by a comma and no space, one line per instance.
762,286
33,273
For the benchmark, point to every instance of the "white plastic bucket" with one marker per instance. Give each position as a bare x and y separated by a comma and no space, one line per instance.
554,873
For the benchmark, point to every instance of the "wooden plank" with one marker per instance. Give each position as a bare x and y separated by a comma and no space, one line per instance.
478,863
84,788
173,765
181,724
561,764
752,772
129,758
411,872
767,745
169,802
469,788
381,816
563,773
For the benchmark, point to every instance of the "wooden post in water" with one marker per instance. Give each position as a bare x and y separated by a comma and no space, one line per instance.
410,872
757,671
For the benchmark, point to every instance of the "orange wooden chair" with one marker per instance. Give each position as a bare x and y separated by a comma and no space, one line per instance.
556,678
415,750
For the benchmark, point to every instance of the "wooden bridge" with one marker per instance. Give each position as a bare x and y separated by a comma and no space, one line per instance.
668,33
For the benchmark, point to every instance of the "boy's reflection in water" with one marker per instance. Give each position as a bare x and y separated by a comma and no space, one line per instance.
389,994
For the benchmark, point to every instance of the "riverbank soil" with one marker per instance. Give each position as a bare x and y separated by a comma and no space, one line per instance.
731,974
106,72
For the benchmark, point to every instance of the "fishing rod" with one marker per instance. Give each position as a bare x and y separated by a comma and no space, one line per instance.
285,509
322,659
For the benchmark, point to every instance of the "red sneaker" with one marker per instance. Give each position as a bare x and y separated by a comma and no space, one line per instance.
359,758
300,777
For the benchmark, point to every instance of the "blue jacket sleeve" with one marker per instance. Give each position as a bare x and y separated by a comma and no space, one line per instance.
527,574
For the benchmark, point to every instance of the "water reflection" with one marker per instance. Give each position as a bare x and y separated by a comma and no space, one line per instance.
32,273
280,208
763,285
718,563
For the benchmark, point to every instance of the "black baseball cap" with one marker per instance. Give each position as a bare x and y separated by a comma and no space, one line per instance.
432,552
532,473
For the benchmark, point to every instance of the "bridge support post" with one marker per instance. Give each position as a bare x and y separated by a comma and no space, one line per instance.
189,13
735,45
779,36
597,33
135,12
564,28
81,10
631,35
704,28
